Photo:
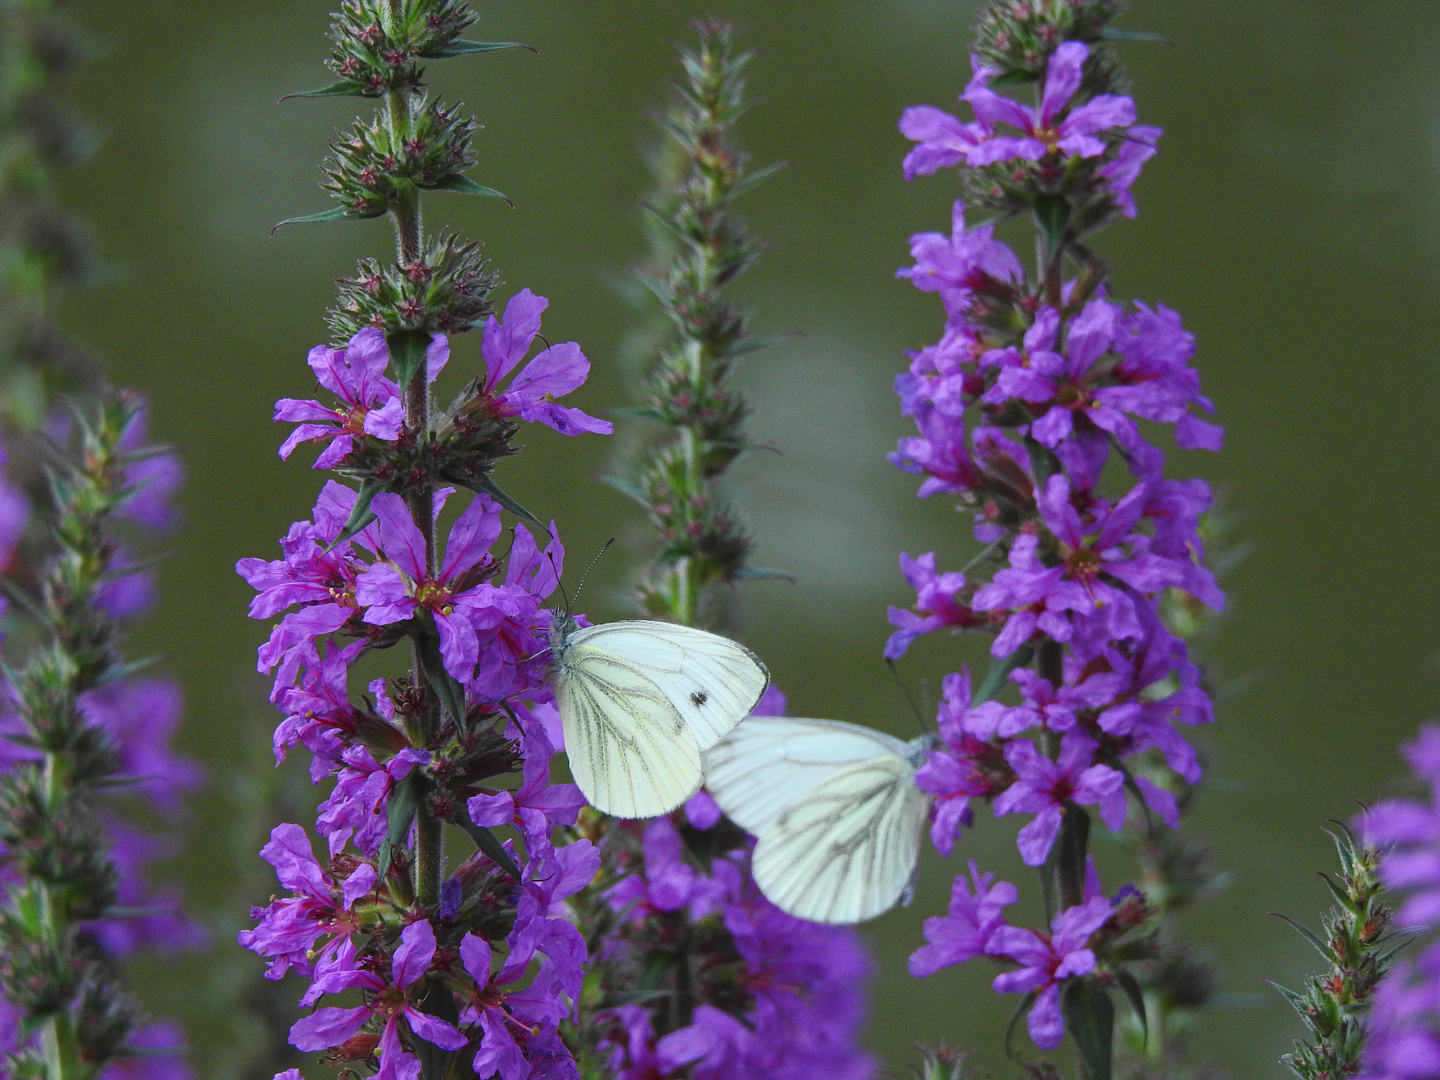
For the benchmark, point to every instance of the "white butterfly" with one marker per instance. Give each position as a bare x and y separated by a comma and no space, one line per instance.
639,701
834,808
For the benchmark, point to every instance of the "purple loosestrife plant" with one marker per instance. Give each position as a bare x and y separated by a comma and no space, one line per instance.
696,974
1029,412
86,767
441,970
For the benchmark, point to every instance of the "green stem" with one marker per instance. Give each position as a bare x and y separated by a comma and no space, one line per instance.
429,846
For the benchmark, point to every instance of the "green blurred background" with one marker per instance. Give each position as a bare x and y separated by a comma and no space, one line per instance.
1293,217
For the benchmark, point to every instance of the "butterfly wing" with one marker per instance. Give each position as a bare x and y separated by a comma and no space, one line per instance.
845,852
769,763
639,700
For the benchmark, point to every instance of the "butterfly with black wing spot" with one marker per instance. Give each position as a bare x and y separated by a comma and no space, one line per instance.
640,700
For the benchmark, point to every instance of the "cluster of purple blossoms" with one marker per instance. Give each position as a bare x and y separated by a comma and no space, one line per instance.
140,714
1034,386
1403,1040
770,996
492,966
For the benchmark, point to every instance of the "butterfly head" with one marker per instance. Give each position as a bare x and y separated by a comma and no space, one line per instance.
562,625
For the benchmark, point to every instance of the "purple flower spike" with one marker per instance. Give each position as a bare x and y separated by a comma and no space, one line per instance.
370,403
1046,960
552,373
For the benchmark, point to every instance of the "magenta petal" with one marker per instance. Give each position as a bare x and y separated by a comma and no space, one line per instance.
565,420
1062,78
1036,838
400,539
1045,1023
506,341
471,536
357,885
437,355
1005,148
459,647
367,355
386,421
556,371
295,410
498,1053
416,950
434,1030
325,1028
333,454
475,955
303,434
489,811
1100,114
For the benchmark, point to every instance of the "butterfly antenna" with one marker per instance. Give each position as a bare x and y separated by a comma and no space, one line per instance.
591,567
915,708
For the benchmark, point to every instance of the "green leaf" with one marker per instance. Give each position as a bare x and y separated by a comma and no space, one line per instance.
1052,218
1090,1019
621,484
1296,1001
1043,462
343,88
1320,946
1131,986
125,671
438,1002
22,598
469,48
407,353
463,185
642,412
447,689
1010,1028
487,486
360,514
756,178
1112,34
1341,896
335,213
399,814
1000,668
491,847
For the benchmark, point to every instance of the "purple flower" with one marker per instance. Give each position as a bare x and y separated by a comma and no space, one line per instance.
935,604
329,1027
290,926
355,810
550,374
958,265
1412,831
1045,961
1053,127
370,403
1138,148
974,917
939,453
1045,788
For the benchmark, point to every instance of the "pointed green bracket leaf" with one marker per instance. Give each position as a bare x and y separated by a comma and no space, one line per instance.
489,846
485,486
1090,1019
407,353
360,514
756,178
343,88
404,801
1136,996
1308,935
1014,1024
1296,1001
463,185
1052,218
447,689
335,213
1112,34
626,487
470,48
1000,669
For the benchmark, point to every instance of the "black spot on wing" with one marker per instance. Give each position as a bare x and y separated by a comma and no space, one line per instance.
698,698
